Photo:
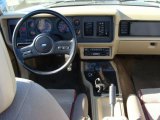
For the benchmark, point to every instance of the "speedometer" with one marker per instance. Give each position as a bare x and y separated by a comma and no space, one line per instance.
62,27
44,25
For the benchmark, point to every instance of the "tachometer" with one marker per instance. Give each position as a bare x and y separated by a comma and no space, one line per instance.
32,33
44,25
62,27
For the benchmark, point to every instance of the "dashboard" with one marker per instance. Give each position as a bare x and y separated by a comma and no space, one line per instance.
103,31
87,28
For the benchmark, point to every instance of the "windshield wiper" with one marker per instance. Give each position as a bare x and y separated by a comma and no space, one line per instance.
61,1
82,2
155,1
67,3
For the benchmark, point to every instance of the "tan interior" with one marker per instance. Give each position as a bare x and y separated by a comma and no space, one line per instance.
120,46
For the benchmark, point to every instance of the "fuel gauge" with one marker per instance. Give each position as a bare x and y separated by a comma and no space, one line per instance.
31,24
63,27
76,22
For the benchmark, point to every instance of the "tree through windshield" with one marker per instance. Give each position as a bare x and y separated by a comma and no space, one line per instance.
20,4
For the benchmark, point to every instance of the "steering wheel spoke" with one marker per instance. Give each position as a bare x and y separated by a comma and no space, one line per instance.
63,47
28,52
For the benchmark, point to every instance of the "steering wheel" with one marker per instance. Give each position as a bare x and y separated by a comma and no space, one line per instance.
43,44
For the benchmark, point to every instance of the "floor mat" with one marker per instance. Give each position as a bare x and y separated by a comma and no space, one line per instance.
146,73
65,98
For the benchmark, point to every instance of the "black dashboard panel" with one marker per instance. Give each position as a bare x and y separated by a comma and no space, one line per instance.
88,28
34,26
100,29
139,28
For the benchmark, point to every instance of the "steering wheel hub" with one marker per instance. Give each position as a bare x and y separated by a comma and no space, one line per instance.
43,43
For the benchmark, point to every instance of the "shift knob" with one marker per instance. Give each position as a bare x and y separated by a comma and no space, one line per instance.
112,97
112,94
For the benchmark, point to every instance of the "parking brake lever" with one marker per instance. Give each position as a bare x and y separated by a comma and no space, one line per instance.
112,98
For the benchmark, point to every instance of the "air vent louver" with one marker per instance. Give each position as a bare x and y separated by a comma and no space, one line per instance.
124,28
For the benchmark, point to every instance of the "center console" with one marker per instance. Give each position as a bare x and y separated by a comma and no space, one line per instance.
102,83
101,75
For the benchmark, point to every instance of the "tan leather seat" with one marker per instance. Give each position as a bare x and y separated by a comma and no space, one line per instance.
146,106
22,99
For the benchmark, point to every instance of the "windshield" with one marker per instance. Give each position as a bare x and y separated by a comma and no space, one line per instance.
13,5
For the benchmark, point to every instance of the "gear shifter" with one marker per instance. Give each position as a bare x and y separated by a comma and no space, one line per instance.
103,78
101,75
112,98
101,82
99,85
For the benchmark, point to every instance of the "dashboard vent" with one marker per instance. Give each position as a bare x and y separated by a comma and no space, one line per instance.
124,28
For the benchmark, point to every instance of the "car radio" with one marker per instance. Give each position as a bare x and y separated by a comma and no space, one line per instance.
97,51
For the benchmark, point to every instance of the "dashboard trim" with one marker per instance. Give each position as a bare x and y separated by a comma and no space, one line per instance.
139,47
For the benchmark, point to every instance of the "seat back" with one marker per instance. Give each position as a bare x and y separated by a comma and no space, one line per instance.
134,108
145,106
150,101
7,78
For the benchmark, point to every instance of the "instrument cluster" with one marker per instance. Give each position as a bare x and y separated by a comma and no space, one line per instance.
34,26
45,25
